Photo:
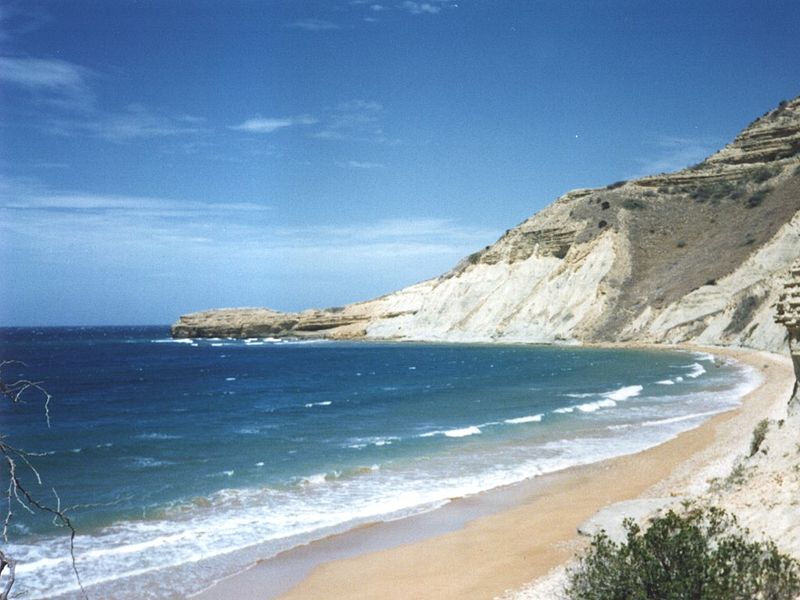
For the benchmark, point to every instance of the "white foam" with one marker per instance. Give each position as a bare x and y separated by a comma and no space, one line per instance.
157,436
587,395
455,433
566,409
704,356
312,404
230,379
530,419
665,382
696,370
680,419
623,393
593,406
176,341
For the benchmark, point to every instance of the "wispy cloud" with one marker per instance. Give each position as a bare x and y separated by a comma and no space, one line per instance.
271,124
63,223
421,8
672,153
134,122
17,18
53,81
356,120
312,25
358,164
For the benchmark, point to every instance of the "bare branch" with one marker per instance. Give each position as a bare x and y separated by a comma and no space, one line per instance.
17,493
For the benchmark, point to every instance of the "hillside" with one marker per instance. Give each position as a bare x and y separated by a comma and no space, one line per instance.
693,256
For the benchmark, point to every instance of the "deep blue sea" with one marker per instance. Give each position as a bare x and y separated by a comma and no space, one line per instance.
186,460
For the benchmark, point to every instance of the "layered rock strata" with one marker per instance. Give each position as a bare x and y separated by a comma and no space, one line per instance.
692,256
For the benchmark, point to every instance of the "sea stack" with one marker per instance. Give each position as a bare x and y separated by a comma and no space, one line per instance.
788,313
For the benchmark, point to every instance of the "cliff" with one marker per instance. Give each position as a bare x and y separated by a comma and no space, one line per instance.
692,256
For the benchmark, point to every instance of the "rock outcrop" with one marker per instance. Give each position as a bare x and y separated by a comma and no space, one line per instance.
692,256
788,314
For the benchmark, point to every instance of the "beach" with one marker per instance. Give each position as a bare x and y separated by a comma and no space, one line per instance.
484,546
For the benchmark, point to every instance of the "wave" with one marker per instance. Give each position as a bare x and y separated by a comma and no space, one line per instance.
665,382
593,406
157,436
623,393
360,443
455,433
530,419
696,370
312,404
670,420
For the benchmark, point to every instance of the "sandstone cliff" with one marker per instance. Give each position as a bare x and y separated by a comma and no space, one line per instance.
693,256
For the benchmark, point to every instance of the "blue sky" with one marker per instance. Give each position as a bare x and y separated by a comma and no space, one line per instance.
161,157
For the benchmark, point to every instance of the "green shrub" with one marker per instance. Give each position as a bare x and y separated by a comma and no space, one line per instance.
700,555
759,433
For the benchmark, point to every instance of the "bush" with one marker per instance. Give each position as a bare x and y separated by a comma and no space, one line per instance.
700,555
759,433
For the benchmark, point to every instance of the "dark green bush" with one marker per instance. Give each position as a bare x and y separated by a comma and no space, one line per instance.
700,555
759,433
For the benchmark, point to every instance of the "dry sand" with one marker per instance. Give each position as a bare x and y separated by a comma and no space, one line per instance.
494,553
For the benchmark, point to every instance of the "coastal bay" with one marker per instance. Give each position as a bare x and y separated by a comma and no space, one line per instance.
536,528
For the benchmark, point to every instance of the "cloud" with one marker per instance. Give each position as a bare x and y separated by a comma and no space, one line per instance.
674,153
53,81
271,124
132,254
420,8
134,122
355,120
312,25
106,225
17,18
357,164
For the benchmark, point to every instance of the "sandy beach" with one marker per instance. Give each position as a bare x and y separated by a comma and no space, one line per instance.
482,547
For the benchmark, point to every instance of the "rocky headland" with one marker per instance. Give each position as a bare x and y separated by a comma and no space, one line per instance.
695,256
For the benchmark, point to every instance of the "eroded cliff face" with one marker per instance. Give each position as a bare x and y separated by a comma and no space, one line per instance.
788,314
692,256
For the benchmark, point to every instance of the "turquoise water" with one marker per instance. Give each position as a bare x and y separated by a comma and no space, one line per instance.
190,459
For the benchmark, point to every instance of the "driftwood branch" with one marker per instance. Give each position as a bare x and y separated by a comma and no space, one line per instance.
17,494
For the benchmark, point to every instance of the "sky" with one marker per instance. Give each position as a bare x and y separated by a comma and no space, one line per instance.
162,157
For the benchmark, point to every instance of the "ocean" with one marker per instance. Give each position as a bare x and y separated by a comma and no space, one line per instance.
183,461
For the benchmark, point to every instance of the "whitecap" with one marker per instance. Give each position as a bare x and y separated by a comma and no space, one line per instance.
587,395
665,382
623,393
696,370
326,403
230,379
530,419
157,436
593,406
454,433
704,356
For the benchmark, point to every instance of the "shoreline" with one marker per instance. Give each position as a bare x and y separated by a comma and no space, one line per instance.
485,545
